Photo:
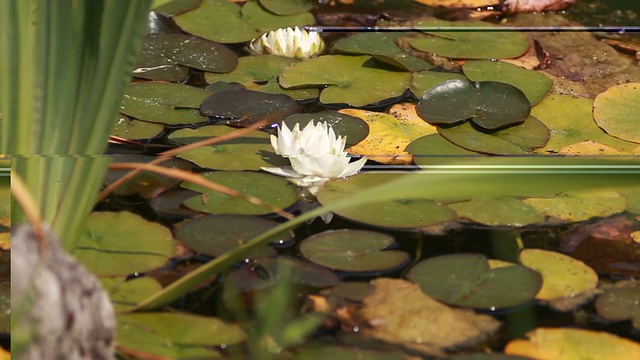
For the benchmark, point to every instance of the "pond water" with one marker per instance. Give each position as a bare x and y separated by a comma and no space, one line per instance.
494,186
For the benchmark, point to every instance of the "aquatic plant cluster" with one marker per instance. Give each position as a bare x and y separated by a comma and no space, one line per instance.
244,130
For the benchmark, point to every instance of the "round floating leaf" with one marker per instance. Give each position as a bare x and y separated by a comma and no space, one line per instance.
381,45
488,104
215,235
244,107
352,290
271,189
533,84
353,250
562,275
467,280
125,295
573,344
352,80
354,128
423,81
145,183
264,20
399,213
123,243
132,129
518,139
469,44
229,26
268,272
170,8
287,7
249,152
570,120
192,51
434,148
162,102
503,211
620,304
146,332
617,110
169,203
580,205
388,136
261,73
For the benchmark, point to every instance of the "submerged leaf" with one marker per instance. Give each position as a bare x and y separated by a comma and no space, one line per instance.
398,312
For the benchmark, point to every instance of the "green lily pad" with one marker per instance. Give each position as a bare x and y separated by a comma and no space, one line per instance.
146,183
166,72
570,121
244,107
287,7
620,304
354,128
469,44
503,211
467,280
435,148
175,335
533,84
215,235
175,7
398,213
562,275
264,273
616,111
519,139
188,50
261,73
488,104
349,79
423,81
229,26
169,203
165,103
572,206
271,189
265,21
122,243
249,152
125,295
383,46
132,129
353,250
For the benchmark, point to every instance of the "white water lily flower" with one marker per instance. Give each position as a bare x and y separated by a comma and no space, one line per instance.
316,140
289,42
316,155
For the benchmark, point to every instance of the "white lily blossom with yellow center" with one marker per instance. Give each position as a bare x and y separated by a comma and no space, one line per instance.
289,42
316,155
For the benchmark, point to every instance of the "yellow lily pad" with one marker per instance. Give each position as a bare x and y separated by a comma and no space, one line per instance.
570,121
388,136
573,344
616,111
589,147
563,276
580,205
